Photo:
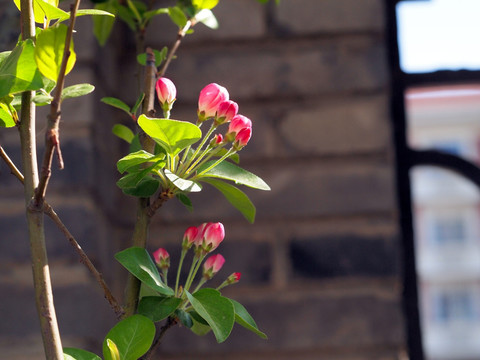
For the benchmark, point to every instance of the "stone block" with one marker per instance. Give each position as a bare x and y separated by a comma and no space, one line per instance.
341,256
350,125
284,70
303,17
238,19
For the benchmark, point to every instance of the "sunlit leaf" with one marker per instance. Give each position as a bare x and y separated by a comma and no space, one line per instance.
49,51
123,132
77,90
79,354
131,338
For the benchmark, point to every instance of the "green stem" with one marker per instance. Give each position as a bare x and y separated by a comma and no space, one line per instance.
192,277
180,265
200,284
230,152
186,165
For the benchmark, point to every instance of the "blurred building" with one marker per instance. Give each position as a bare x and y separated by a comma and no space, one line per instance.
447,227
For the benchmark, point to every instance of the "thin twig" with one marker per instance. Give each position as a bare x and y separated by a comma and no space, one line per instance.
170,323
163,197
180,35
52,137
50,212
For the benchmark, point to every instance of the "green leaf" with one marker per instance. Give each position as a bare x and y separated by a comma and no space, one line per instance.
126,15
83,12
77,90
172,135
4,55
236,197
206,17
200,327
132,336
243,318
158,308
228,171
177,16
112,350
42,99
18,71
205,4
137,103
102,25
182,184
123,132
150,14
184,318
49,51
116,103
218,311
6,118
136,158
139,263
145,188
160,56
79,354
185,200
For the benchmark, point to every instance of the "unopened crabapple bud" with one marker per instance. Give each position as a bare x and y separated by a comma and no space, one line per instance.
162,258
212,265
226,112
166,93
209,100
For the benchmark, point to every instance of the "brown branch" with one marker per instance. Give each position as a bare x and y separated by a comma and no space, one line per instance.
170,323
50,212
163,197
85,260
180,35
52,138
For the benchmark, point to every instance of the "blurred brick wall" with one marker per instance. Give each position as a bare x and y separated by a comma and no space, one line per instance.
320,266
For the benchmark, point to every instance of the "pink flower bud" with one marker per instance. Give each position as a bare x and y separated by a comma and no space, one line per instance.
210,98
162,258
226,111
234,278
213,236
213,265
166,92
242,138
198,240
238,123
189,237
217,140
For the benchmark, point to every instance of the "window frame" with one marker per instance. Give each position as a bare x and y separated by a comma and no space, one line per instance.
408,158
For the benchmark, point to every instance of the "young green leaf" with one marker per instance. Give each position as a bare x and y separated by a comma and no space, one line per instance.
145,188
172,135
116,103
243,318
158,308
136,158
216,310
184,318
185,200
49,51
6,118
123,132
139,263
199,327
45,9
205,4
18,71
77,90
79,354
228,171
112,350
102,25
132,337
236,197
148,15
83,12
177,16
137,103
182,184
131,180
159,57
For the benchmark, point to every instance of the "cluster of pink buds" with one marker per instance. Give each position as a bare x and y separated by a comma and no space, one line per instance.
204,239
214,102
